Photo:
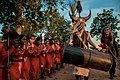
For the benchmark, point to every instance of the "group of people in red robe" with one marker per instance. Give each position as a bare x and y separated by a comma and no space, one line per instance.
25,58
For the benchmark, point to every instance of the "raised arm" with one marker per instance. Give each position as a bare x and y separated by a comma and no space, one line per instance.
92,42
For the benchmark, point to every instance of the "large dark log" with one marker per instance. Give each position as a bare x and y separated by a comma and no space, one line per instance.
87,58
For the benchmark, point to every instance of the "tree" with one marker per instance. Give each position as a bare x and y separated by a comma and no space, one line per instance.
34,15
55,24
21,12
105,19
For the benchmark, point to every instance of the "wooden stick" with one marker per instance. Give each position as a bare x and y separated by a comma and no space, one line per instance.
82,42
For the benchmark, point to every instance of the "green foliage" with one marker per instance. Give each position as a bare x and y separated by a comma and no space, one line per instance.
22,12
35,15
55,24
105,19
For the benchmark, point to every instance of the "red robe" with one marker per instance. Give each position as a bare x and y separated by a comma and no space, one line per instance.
49,62
34,63
26,64
53,54
42,59
58,55
15,70
4,60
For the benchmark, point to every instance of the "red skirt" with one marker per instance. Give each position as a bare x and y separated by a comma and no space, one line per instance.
14,71
49,61
58,58
42,61
34,68
26,68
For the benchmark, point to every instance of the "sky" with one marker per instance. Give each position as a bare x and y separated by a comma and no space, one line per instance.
96,6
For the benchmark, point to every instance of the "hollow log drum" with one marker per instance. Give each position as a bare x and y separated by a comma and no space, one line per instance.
87,58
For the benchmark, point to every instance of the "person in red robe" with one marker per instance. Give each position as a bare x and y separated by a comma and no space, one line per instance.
58,55
15,70
34,59
42,59
37,43
53,52
19,61
4,64
6,50
49,63
25,65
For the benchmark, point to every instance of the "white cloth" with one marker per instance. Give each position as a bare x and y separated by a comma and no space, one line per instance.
81,71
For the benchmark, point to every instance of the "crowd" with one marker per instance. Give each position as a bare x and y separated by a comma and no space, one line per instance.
24,57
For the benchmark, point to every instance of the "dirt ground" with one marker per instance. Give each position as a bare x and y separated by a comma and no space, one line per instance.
66,73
